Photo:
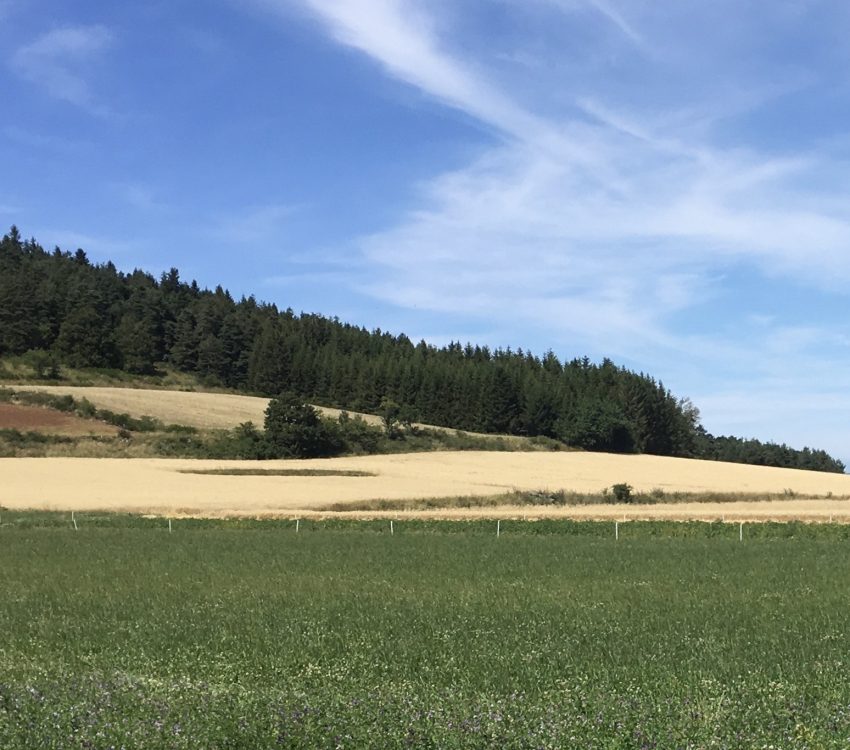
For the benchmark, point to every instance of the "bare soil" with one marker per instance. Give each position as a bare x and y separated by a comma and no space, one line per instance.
50,421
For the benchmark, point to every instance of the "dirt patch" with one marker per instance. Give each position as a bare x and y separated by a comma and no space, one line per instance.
49,421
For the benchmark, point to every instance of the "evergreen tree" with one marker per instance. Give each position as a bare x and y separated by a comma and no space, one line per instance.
295,429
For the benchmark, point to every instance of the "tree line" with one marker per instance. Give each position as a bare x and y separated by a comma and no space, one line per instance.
63,308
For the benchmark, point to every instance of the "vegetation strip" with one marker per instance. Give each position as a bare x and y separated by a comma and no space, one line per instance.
564,498
280,472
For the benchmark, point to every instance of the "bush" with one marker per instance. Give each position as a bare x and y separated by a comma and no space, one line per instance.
357,436
86,408
622,492
295,430
44,364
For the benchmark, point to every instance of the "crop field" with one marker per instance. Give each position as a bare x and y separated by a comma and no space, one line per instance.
268,488
250,635
195,409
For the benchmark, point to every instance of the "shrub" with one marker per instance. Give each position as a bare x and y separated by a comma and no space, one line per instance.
294,429
622,492
358,436
86,408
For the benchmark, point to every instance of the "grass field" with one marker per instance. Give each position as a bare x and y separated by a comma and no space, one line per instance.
248,635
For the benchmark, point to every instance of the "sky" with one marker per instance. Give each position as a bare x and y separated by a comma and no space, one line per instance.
662,182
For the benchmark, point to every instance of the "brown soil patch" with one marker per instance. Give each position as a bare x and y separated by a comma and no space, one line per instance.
50,421
162,486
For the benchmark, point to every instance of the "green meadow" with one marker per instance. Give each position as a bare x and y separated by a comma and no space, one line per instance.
554,635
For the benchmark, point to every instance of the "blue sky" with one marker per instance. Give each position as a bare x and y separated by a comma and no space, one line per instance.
663,182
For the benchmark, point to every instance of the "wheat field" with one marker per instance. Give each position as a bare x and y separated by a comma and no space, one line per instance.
192,408
162,486
195,409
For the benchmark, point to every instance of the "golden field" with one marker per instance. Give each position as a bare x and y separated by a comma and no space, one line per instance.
195,409
160,486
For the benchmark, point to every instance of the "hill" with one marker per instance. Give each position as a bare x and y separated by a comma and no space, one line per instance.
58,309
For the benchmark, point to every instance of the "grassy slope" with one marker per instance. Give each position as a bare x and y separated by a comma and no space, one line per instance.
215,637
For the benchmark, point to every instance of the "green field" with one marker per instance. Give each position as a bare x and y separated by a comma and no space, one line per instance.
246,635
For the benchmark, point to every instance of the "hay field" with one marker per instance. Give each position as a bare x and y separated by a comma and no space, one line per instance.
161,486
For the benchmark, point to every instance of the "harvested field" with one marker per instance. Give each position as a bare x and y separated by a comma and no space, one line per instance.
163,486
193,408
49,421
202,410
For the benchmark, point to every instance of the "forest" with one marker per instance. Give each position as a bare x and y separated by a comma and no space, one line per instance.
64,310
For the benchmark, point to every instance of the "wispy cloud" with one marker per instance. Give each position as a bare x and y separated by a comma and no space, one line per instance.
400,36
139,196
608,9
99,248
606,217
257,225
572,182
59,60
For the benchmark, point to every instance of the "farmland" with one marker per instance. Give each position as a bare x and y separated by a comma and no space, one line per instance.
169,486
203,410
225,636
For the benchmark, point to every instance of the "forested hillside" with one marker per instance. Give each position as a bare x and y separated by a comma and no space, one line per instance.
89,315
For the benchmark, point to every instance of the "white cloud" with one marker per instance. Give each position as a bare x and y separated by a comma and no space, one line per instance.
58,61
